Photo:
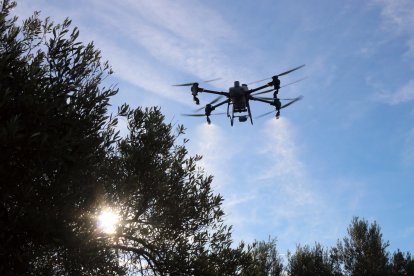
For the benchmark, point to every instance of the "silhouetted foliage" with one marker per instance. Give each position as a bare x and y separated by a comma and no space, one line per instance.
171,220
62,162
401,264
52,141
312,261
363,252
265,259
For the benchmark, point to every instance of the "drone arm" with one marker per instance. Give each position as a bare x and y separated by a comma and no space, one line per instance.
263,92
261,100
260,87
213,92
219,104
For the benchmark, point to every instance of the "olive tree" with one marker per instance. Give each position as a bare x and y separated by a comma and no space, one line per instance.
62,161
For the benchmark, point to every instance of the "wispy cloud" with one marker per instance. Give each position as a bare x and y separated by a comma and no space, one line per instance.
397,22
152,44
173,34
398,15
403,94
398,19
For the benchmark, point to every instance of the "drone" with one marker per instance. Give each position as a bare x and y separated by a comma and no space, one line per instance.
239,96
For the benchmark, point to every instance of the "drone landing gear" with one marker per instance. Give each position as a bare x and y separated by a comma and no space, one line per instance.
249,112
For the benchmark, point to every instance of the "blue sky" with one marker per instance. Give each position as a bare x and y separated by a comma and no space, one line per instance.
346,149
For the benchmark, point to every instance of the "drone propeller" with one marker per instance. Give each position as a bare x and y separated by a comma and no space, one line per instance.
202,114
272,99
263,92
291,70
270,90
210,103
281,74
292,101
192,83
283,106
290,83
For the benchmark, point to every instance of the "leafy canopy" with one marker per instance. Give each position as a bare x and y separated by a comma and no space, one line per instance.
63,161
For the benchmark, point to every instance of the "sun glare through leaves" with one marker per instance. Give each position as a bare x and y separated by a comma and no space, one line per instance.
108,221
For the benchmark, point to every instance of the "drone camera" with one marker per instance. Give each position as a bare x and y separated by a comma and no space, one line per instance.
242,118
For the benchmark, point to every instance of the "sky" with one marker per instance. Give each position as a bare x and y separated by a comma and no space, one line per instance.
345,150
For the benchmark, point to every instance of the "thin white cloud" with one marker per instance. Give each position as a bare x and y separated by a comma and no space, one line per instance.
170,32
402,95
173,34
183,19
398,19
398,15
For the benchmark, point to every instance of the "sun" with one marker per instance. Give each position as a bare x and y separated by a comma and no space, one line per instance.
108,221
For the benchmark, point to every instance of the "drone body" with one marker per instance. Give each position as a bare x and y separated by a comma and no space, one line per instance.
239,96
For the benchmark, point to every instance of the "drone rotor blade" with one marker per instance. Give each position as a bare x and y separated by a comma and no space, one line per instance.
281,74
185,84
266,98
212,80
265,114
192,83
258,81
203,115
292,101
290,83
194,115
215,100
270,90
283,106
212,102
290,71
272,99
